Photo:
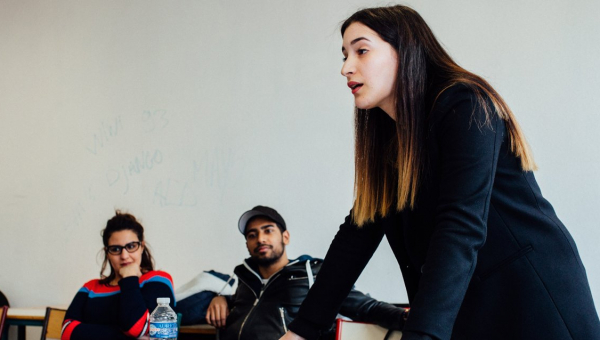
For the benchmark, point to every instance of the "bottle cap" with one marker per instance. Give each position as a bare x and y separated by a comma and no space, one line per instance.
163,300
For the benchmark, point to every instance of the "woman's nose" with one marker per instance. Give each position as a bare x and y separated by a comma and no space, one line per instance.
348,67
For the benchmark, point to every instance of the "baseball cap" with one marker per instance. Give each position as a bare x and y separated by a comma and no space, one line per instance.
263,211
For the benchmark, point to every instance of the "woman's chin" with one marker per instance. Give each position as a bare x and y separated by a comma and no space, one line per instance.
363,106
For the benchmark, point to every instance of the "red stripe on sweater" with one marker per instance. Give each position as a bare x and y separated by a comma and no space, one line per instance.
136,330
66,333
154,273
96,287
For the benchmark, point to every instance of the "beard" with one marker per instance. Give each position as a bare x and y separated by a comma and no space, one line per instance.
267,261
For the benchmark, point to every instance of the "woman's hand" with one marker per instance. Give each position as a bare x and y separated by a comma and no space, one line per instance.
291,336
130,270
217,312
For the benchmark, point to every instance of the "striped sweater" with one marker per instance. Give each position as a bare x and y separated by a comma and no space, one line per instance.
105,312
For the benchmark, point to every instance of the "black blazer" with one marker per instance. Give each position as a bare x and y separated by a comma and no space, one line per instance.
483,255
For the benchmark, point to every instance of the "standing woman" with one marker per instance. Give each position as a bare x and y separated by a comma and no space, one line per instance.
444,172
118,306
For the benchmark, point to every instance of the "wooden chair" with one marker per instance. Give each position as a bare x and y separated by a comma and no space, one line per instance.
3,311
53,323
3,300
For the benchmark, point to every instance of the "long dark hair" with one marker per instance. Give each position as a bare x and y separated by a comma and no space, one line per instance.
123,221
388,157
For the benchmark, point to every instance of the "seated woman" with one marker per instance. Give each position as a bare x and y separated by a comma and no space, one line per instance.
118,306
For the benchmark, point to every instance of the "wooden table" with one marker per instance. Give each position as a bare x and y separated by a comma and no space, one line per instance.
197,332
22,317
198,329
34,316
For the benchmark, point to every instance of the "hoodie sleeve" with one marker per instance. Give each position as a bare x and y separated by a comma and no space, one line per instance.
360,307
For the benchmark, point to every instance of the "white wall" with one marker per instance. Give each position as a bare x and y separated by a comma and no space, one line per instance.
229,104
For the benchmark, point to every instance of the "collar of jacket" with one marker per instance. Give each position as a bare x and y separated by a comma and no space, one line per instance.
248,273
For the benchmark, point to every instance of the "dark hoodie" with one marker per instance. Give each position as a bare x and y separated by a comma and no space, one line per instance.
263,311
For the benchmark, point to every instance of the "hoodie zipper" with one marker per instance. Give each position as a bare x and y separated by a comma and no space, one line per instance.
271,279
275,276
283,319
251,309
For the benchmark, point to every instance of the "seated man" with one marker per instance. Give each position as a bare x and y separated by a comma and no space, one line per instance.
271,288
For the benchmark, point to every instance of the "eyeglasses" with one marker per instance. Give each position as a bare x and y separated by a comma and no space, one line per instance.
130,247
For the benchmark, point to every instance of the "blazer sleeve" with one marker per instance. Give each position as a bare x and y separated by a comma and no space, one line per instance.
348,254
468,144
75,329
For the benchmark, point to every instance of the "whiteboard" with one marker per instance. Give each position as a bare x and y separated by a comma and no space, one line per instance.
188,113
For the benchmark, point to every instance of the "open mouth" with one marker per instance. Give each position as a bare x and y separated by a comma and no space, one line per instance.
354,86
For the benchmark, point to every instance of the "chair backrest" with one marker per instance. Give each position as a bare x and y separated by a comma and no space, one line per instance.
53,323
3,300
3,311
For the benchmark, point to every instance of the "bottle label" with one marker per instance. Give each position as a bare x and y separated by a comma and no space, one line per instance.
163,330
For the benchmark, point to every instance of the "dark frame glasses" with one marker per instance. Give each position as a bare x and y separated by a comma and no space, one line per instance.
130,247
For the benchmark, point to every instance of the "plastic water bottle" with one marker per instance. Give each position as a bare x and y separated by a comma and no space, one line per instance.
163,321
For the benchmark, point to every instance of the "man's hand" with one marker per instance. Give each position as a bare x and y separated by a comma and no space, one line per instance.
291,336
217,312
